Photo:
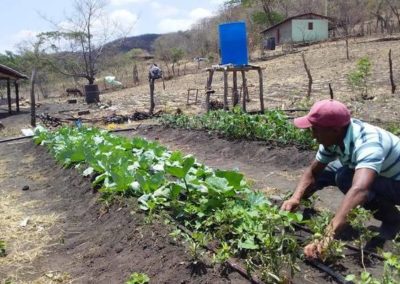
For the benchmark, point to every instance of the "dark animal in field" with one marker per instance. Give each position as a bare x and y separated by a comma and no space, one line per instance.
73,91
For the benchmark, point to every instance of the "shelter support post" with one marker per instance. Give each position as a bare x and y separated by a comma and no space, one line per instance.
33,102
16,94
9,96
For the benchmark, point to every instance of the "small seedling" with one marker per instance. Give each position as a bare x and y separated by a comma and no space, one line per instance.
3,252
196,242
358,78
138,278
223,253
318,225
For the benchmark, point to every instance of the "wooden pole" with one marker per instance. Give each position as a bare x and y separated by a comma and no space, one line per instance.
152,104
391,72
208,88
225,89
260,77
244,89
9,96
16,94
235,95
135,75
33,103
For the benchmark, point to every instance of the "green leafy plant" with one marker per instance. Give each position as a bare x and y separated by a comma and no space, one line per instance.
138,278
365,278
318,224
358,217
272,126
196,242
391,268
358,78
223,253
393,128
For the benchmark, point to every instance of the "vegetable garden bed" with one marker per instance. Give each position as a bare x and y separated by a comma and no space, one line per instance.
215,205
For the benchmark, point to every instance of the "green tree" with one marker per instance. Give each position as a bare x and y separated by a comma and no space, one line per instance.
269,14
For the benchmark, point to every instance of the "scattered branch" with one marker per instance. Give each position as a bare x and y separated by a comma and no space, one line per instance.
391,72
310,80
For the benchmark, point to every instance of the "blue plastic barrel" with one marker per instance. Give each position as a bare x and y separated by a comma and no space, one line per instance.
233,43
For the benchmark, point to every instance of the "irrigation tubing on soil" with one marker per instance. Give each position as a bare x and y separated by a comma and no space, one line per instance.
30,136
230,262
349,246
338,278
15,139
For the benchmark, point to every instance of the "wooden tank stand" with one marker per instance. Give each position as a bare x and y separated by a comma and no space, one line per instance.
235,96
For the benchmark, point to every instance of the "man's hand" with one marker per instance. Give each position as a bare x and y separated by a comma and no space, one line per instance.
317,248
290,205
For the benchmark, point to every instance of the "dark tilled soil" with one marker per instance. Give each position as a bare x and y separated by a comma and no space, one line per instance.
89,244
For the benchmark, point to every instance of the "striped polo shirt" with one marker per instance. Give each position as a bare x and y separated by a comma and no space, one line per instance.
366,146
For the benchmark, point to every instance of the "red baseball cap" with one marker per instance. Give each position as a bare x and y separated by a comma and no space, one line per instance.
325,113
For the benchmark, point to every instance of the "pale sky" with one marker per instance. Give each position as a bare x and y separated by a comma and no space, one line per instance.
21,20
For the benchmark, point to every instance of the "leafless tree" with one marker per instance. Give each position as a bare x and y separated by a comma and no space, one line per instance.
78,42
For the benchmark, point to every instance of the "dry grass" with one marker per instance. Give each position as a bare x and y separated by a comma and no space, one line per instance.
24,243
24,231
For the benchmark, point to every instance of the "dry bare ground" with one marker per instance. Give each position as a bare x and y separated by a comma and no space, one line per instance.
285,81
52,230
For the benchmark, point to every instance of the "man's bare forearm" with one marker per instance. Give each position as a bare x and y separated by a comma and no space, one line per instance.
307,181
304,186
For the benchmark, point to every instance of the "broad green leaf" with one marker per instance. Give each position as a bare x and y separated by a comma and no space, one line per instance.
234,178
248,244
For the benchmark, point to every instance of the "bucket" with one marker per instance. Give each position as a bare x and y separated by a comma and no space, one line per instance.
92,94
233,43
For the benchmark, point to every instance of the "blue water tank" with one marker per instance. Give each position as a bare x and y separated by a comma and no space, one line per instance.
233,43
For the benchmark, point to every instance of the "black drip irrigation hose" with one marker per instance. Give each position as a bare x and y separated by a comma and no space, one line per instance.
349,246
30,136
15,139
336,276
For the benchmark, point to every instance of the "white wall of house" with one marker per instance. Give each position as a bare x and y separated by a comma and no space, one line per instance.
304,30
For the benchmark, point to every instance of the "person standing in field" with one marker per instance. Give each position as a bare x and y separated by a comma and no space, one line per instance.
362,160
